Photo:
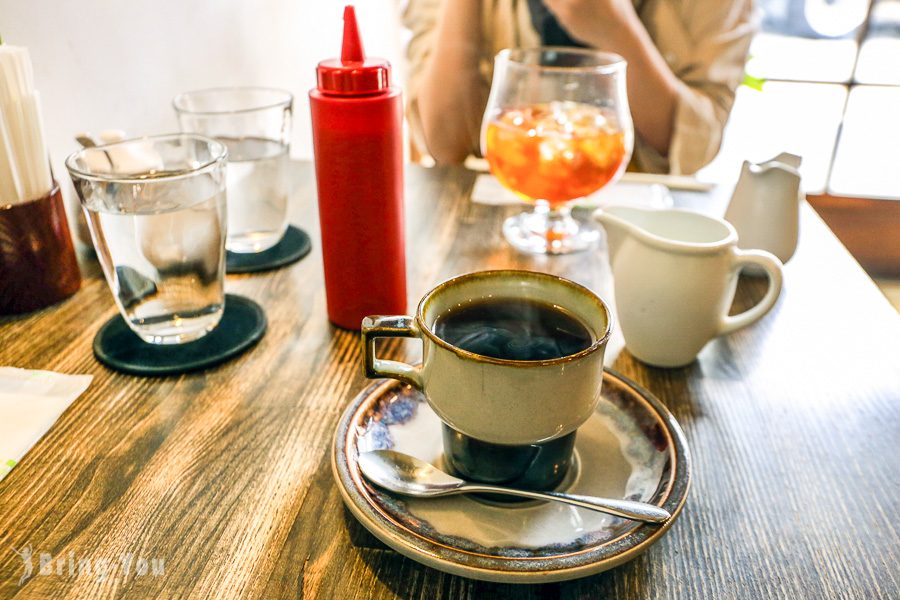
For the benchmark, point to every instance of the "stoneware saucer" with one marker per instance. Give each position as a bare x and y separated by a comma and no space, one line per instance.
632,448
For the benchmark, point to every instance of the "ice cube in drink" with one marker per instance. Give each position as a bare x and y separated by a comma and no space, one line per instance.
557,151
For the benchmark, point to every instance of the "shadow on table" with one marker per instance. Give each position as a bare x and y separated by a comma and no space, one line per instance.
671,386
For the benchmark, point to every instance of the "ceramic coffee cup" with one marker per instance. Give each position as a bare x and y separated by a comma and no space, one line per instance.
508,422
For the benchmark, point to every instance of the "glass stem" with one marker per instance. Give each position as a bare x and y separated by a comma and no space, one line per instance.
557,220
558,215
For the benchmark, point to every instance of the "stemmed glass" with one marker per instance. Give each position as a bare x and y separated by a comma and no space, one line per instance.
557,127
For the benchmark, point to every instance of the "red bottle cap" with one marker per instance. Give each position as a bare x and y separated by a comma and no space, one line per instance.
353,74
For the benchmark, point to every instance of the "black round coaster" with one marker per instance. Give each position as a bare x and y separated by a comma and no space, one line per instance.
294,245
118,347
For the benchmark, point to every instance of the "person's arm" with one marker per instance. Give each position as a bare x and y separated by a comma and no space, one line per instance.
679,111
613,25
450,95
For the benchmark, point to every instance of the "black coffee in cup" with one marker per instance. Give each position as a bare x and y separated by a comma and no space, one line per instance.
513,329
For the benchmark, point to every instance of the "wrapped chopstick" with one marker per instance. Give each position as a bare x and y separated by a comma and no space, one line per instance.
24,162
10,187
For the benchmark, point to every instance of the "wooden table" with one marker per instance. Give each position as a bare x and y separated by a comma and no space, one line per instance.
794,426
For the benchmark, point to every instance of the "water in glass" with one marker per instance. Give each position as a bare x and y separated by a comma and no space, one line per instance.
257,193
163,259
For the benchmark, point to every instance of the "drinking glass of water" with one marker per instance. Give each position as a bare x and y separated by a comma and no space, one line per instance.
156,210
255,125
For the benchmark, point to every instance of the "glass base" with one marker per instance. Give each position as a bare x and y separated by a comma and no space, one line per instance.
185,327
253,242
547,231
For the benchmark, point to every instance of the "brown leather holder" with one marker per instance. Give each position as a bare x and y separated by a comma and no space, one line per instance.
38,266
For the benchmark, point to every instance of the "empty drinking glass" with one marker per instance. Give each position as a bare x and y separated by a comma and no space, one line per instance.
255,125
157,215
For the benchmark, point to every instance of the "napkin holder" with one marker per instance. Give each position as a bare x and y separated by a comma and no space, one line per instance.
38,266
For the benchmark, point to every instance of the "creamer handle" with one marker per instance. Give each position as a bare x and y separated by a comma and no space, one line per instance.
772,267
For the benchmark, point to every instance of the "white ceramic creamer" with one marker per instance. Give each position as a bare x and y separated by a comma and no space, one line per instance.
765,206
675,274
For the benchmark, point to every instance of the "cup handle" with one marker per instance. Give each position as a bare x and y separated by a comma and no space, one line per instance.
393,326
772,267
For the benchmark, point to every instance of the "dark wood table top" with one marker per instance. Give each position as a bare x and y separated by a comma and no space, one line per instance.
794,425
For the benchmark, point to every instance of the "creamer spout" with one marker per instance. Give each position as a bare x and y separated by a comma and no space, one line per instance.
617,226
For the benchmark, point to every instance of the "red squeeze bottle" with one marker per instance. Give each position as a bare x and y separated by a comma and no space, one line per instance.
358,145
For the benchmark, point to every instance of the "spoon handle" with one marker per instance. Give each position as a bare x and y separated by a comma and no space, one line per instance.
637,511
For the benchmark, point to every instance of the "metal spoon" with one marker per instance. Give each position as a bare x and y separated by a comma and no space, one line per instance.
86,140
407,475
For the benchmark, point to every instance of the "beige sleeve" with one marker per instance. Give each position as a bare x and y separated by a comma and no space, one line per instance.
420,18
705,42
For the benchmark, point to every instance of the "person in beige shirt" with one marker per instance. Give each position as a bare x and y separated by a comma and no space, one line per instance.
685,60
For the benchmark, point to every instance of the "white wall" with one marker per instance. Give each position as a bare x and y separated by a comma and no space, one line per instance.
114,64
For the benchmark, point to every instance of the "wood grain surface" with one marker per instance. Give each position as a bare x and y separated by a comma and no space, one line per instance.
868,228
224,475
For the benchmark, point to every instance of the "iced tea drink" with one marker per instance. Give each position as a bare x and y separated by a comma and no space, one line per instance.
556,151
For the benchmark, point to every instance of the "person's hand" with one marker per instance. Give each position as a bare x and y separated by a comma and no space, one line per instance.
593,22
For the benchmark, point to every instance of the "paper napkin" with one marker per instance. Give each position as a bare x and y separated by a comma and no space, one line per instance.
488,190
30,403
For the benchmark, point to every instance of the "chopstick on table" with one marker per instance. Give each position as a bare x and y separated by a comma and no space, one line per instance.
673,182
